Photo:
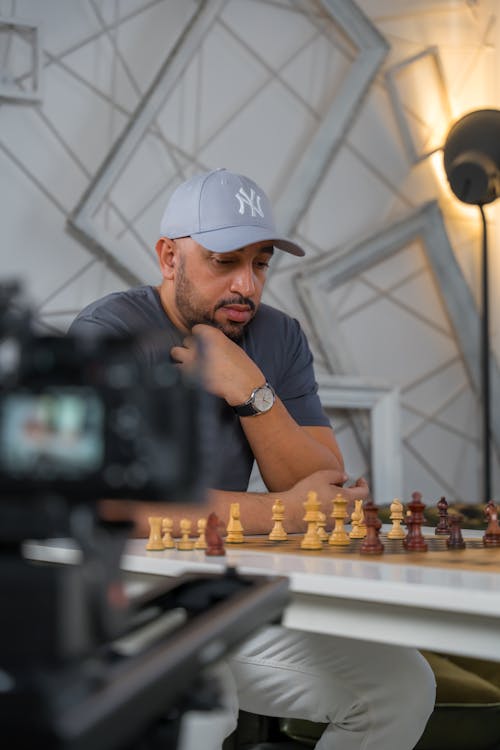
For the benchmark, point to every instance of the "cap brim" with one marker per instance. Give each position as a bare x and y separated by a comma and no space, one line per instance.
234,238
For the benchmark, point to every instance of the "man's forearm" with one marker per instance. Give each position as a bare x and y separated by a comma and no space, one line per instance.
255,511
285,451
255,507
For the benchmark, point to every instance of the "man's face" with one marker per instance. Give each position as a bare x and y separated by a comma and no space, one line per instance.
220,289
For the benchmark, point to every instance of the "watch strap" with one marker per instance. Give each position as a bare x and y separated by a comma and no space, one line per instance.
245,410
248,408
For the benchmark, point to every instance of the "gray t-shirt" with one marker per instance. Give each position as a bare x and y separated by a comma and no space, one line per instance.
273,340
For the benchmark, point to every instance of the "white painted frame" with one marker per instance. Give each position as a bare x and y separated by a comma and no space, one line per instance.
7,89
382,401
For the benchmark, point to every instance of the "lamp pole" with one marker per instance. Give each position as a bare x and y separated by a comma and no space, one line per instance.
485,362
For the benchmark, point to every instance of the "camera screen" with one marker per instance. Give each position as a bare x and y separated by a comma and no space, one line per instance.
54,434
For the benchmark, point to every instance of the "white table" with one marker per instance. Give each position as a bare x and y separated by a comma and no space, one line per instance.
449,610
441,609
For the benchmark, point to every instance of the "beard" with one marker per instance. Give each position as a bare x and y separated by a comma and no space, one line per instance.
193,311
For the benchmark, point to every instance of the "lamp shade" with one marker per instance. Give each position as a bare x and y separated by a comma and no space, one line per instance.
472,157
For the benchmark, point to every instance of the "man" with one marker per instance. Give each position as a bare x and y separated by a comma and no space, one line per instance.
217,240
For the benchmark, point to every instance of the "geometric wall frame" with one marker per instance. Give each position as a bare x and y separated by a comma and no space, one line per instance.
81,221
431,55
425,224
315,159
308,168
31,34
382,401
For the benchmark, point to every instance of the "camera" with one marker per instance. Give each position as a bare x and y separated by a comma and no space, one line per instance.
80,417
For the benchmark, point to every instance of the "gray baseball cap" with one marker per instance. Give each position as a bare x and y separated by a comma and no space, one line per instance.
223,211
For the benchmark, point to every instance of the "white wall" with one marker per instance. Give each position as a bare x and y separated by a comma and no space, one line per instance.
338,116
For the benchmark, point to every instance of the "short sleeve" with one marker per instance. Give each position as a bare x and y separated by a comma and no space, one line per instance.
279,346
297,386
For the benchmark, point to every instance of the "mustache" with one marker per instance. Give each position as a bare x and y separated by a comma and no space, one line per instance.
239,300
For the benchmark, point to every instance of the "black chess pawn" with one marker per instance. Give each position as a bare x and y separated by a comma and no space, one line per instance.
443,525
371,544
414,540
213,537
491,536
455,540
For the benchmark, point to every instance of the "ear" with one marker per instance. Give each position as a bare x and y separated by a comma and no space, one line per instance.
167,255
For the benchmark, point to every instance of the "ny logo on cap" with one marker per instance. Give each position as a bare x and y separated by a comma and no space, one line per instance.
252,201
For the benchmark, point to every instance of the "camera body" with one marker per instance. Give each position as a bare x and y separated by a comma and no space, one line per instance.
81,418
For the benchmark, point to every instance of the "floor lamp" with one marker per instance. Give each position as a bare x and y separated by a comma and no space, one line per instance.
472,165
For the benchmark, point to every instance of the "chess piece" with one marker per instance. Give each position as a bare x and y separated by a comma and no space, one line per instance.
339,537
278,533
234,527
311,540
443,525
185,543
154,543
358,526
362,523
201,542
397,516
414,540
455,540
491,537
371,544
215,544
321,526
167,526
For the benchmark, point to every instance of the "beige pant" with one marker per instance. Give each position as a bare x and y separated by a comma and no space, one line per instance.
372,696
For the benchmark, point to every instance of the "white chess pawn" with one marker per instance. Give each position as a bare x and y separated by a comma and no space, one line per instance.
167,526
185,543
321,526
234,528
278,533
201,542
397,516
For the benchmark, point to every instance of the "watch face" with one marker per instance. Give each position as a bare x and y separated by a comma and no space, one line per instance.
263,398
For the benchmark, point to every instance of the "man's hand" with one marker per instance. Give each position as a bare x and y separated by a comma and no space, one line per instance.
227,371
327,483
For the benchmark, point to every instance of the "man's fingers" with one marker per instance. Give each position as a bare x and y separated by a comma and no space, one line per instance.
334,476
183,354
358,492
360,482
178,354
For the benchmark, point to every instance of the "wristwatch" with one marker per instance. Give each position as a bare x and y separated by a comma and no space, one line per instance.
260,401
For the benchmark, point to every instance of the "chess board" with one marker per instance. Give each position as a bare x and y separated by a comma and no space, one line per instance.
474,557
